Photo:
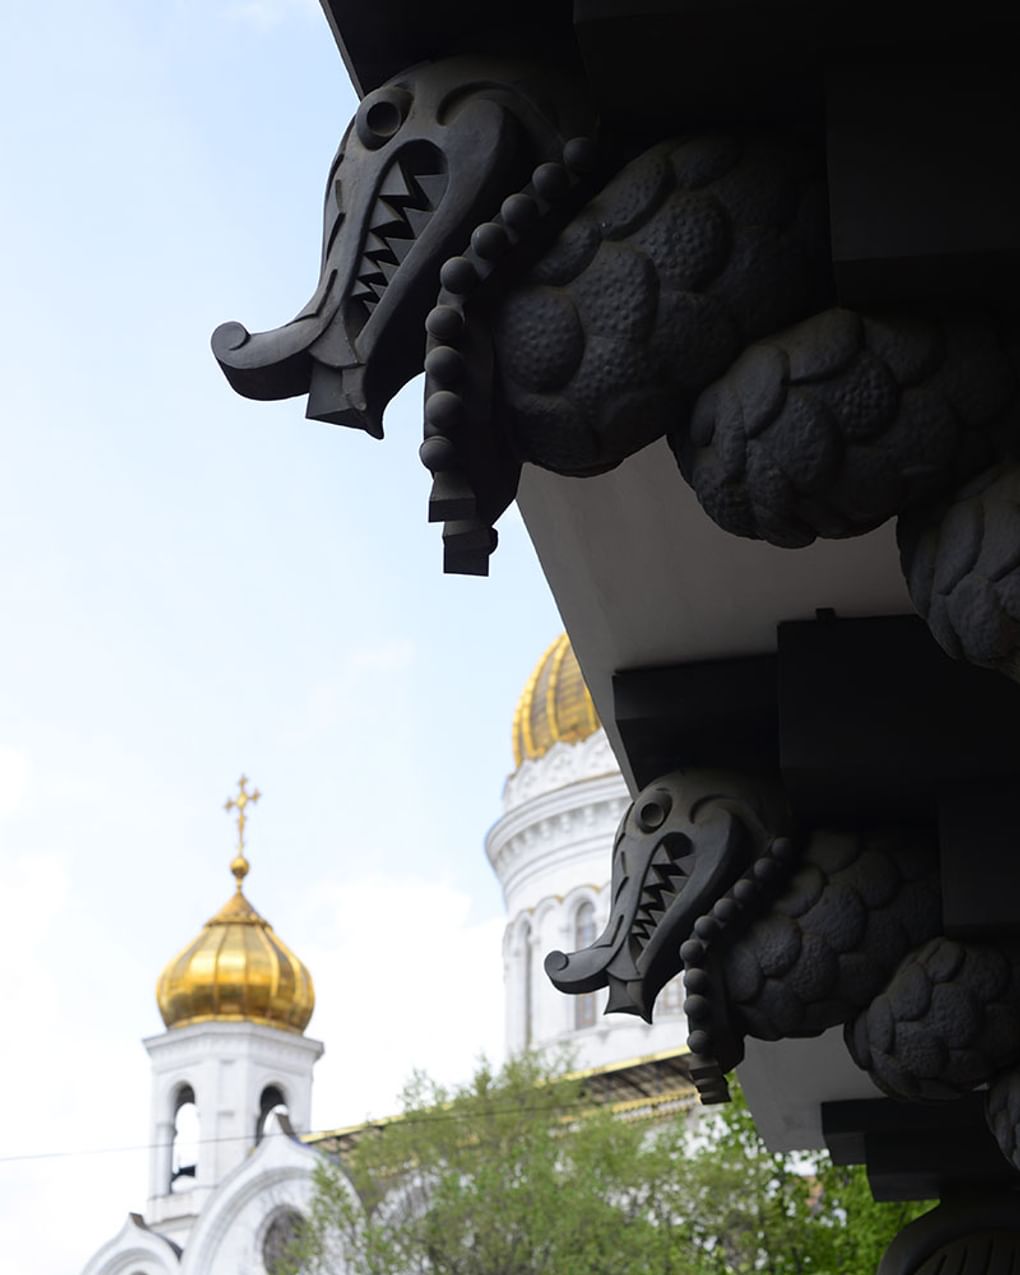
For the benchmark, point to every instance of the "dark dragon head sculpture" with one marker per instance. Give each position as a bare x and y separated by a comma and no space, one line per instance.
682,844
428,157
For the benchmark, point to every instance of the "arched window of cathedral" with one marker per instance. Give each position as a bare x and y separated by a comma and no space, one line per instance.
671,999
529,990
272,1099
584,936
281,1233
184,1155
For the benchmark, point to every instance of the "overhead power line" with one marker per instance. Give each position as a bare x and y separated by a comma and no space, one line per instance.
74,1153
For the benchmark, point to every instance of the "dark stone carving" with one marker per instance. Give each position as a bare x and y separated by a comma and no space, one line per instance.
427,158
586,297
693,248
690,251
856,905
1002,1108
587,292
961,559
977,1235
585,258
777,943
948,1021
685,840
836,425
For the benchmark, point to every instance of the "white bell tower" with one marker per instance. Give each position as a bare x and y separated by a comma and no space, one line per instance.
228,1077
236,1002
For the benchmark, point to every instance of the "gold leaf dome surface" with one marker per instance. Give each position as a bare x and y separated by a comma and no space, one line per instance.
237,969
555,705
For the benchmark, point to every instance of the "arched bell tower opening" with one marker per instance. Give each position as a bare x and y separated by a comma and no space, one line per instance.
186,1141
272,1102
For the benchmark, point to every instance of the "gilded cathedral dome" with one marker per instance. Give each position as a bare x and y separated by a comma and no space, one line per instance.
237,969
555,705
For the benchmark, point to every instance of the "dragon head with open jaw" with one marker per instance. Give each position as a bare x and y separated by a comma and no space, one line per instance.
427,157
683,842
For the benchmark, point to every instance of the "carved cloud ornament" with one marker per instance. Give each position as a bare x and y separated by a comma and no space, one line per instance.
780,938
573,296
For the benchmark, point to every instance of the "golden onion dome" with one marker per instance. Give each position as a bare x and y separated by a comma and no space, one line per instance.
237,969
555,705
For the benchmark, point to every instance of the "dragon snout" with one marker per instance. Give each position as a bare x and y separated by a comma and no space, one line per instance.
374,218
579,972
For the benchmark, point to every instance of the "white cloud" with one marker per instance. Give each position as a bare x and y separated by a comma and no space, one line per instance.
411,983
265,15
14,777
360,673
69,1087
398,653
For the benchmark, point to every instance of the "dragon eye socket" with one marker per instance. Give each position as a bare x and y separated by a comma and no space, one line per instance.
380,116
652,811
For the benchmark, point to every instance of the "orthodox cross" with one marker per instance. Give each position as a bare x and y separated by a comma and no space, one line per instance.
239,865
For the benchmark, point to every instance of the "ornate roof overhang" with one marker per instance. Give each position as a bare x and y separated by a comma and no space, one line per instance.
750,57
378,41
725,295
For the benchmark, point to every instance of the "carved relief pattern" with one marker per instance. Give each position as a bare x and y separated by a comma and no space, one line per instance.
948,1021
574,302
976,1236
856,905
961,559
695,248
563,764
777,943
1003,1112
836,425
572,298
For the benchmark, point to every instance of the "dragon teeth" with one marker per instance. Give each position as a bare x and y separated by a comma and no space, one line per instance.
396,185
419,218
377,247
370,275
432,185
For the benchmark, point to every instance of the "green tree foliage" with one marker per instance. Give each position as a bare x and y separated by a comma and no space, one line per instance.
516,1174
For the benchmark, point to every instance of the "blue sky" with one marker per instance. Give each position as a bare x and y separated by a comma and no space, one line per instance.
193,585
